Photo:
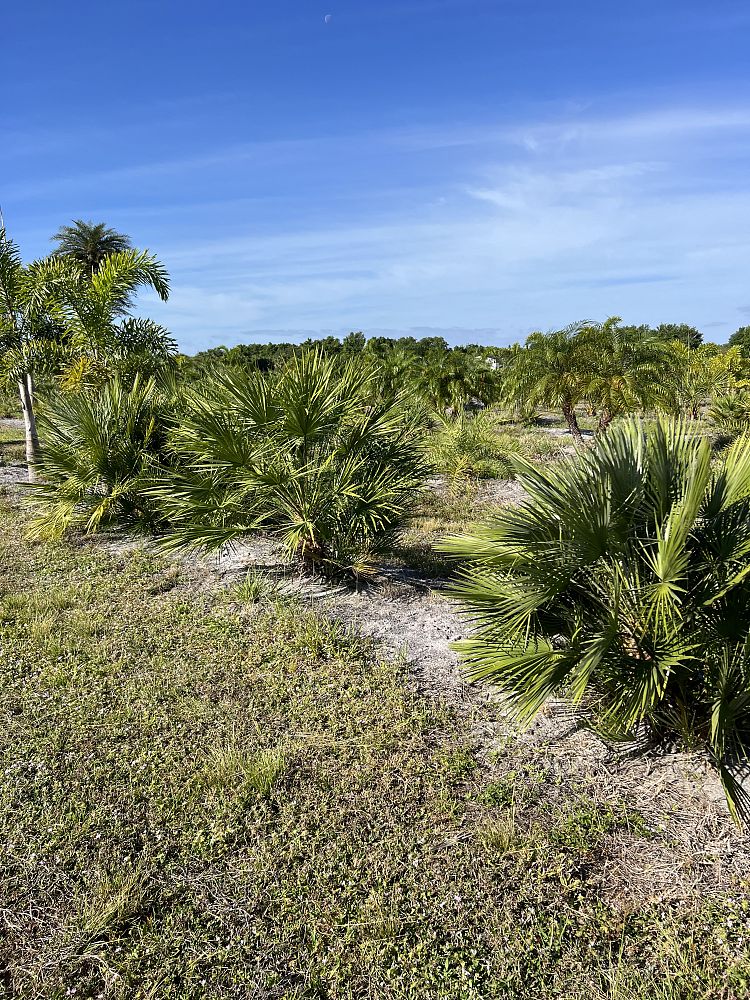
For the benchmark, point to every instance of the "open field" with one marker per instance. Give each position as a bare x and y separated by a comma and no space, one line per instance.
206,796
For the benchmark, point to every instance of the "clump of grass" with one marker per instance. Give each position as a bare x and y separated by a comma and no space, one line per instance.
231,767
256,587
500,833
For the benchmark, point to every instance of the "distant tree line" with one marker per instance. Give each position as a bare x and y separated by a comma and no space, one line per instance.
267,356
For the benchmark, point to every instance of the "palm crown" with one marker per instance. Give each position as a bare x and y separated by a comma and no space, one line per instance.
89,243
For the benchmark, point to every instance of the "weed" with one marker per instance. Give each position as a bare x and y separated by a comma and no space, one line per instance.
256,586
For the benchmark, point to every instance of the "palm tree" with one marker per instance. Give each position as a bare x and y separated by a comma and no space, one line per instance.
56,317
447,381
624,579
100,449
24,345
397,369
626,368
308,454
89,307
549,370
89,243
730,409
699,373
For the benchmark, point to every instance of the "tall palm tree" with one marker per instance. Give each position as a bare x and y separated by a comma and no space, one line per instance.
89,243
89,307
549,370
626,368
624,576
57,295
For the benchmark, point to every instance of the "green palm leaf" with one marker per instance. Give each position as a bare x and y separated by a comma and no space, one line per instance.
623,581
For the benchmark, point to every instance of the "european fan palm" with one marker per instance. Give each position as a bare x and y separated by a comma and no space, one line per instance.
100,449
89,243
626,577
307,454
731,409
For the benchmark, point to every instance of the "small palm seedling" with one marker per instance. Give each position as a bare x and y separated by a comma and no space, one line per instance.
101,448
308,454
624,579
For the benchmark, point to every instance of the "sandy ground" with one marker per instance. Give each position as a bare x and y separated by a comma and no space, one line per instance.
696,845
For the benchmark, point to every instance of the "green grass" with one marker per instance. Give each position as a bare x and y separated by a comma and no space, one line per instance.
12,444
205,797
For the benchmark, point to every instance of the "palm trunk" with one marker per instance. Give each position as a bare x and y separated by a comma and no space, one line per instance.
26,392
570,415
605,419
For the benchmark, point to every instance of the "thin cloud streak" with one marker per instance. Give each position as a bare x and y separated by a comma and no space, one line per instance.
511,227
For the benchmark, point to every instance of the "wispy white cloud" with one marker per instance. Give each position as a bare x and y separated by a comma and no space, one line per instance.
505,226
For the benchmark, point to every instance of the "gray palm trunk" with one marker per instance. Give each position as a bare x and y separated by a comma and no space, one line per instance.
26,392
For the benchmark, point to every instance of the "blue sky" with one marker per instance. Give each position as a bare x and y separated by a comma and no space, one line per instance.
476,168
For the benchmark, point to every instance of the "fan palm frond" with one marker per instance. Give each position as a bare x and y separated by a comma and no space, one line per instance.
626,575
302,454
101,449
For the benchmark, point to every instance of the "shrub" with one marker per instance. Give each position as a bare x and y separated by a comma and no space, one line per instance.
307,454
480,446
731,410
470,447
100,449
624,579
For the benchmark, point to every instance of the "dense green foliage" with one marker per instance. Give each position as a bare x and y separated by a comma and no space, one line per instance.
730,410
479,447
311,454
101,449
626,574
741,338
63,319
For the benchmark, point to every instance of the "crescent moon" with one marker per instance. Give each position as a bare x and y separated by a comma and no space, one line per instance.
328,18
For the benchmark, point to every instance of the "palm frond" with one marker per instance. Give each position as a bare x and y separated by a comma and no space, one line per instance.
623,580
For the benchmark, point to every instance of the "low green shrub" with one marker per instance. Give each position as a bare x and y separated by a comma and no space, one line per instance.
309,454
101,448
624,578
481,446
